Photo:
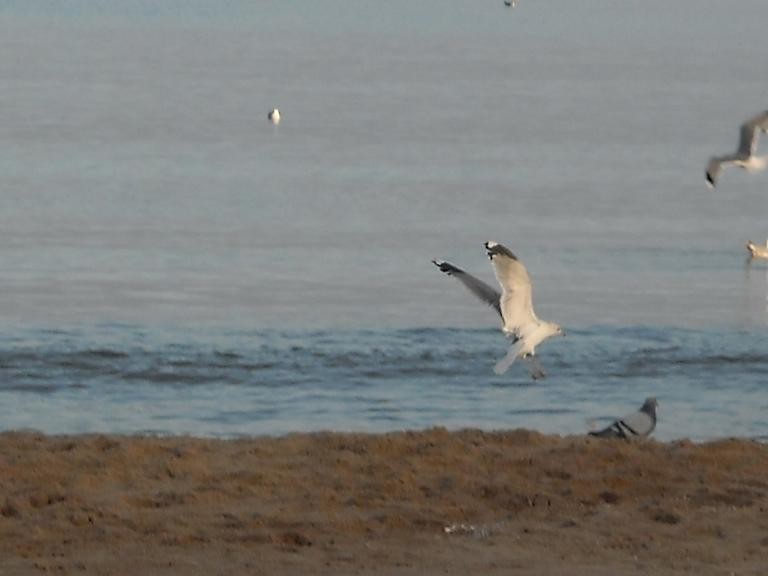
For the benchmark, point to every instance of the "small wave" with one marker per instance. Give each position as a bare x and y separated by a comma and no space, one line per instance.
394,371
227,355
32,388
541,411
747,358
659,365
176,378
106,353
257,366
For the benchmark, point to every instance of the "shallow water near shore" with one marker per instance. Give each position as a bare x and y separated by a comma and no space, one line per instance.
226,383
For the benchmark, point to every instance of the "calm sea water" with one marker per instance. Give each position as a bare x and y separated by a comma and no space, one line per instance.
171,262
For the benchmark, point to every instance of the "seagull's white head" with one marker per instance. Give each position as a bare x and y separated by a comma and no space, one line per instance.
554,329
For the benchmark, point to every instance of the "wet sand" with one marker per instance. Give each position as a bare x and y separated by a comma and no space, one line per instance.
428,502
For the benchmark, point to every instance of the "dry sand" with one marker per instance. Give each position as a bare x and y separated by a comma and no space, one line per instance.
515,503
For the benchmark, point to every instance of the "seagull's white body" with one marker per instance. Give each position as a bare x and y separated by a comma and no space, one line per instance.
534,335
274,116
757,251
745,156
513,303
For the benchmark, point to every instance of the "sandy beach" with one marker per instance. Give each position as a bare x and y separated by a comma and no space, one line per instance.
427,502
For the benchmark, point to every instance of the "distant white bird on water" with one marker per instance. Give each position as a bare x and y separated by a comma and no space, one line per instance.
513,303
757,251
639,424
274,116
510,3
745,154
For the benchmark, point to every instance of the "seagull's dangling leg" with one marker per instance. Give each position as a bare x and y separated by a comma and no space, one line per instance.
537,373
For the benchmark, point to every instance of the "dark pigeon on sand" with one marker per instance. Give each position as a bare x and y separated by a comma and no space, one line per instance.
639,424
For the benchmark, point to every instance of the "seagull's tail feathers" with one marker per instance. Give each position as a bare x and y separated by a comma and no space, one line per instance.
503,365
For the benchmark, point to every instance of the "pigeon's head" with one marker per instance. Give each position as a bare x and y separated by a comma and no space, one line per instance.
650,405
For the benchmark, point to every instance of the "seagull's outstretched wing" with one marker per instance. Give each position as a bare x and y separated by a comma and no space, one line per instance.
486,293
715,166
717,163
750,132
516,304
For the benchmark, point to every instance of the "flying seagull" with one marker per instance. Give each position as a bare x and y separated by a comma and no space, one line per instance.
274,116
745,154
513,303
639,424
757,251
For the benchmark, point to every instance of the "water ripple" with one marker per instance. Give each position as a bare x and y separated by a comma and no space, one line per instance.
232,383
